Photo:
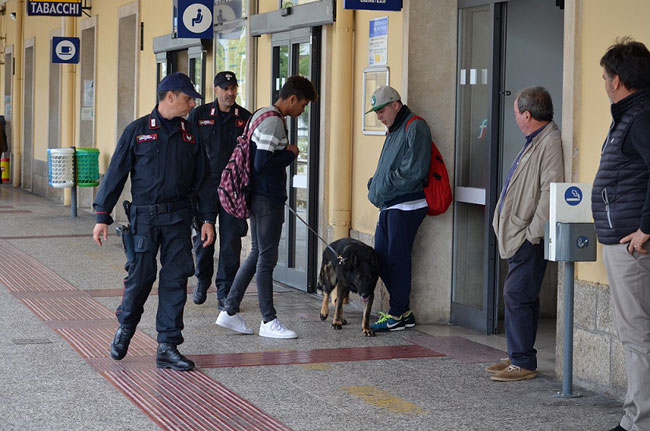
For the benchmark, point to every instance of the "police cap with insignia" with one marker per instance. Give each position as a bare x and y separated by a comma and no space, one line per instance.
178,81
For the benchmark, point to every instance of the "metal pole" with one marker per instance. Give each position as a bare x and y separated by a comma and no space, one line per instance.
73,189
567,357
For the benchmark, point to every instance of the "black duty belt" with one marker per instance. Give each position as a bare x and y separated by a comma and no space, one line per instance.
162,208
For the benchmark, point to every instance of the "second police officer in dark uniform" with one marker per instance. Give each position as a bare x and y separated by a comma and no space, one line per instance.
166,162
219,124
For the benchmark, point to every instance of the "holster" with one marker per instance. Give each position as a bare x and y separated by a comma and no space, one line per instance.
127,235
127,241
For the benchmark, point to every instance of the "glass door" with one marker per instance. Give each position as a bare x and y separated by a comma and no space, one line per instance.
294,55
474,301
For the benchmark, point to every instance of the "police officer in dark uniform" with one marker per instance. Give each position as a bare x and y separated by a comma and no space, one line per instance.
219,124
167,163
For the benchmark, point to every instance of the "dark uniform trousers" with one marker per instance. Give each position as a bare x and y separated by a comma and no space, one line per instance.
521,297
231,230
219,132
177,265
165,167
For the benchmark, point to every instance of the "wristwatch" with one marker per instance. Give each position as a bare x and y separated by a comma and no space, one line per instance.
208,221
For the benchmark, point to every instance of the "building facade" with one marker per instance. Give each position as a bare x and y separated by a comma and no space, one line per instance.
456,63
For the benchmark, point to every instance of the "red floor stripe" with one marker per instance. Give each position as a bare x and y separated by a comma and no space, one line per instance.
14,211
289,357
75,235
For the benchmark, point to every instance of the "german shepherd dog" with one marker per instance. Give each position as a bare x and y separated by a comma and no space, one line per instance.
353,268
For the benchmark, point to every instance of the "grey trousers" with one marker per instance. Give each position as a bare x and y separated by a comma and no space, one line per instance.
629,280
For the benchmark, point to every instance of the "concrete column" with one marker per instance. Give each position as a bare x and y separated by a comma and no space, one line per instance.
17,129
340,191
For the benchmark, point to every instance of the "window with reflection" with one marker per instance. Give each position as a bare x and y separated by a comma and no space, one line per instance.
230,54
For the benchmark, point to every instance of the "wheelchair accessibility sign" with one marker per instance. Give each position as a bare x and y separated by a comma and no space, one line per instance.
65,50
195,18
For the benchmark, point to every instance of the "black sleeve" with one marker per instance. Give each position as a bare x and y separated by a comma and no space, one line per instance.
115,177
638,141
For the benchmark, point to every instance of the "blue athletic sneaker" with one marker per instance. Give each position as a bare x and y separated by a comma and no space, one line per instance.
387,322
409,319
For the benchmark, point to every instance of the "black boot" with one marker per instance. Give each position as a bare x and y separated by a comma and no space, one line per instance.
168,356
120,344
200,293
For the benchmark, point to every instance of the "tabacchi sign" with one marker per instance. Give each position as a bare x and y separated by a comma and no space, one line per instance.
54,8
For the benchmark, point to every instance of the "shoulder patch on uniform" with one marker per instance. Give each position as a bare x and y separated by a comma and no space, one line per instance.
145,138
188,137
240,123
206,122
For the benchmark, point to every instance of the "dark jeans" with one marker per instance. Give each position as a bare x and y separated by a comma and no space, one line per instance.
267,217
394,237
177,265
231,230
521,299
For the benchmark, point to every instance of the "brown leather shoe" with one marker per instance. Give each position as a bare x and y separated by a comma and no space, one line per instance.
499,366
514,374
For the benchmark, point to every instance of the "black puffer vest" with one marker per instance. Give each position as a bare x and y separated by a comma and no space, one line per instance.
619,188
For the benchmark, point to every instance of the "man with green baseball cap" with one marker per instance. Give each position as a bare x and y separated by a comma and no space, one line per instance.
397,189
382,97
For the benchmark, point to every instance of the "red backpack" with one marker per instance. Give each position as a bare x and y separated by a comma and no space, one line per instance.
437,191
235,187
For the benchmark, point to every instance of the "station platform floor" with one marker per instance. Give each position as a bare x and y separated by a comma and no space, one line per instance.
58,291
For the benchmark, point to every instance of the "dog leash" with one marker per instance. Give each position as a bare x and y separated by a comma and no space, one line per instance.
340,258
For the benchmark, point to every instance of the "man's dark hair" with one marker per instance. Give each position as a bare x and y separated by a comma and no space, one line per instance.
537,101
163,93
630,60
300,87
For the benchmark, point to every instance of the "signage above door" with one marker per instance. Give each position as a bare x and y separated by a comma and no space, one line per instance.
394,5
195,18
54,8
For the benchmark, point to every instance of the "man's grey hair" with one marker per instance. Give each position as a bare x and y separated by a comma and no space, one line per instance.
537,101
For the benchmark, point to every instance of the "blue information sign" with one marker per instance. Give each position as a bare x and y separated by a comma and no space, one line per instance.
394,5
195,18
65,50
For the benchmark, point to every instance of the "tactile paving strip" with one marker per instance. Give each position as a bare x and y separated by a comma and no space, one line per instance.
173,400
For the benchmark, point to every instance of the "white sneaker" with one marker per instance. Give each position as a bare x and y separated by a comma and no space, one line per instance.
274,329
234,322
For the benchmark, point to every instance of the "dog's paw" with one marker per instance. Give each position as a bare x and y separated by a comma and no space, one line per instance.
337,325
323,316
344,322
368,332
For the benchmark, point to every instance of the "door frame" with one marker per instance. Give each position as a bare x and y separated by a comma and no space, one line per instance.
486,319
287,275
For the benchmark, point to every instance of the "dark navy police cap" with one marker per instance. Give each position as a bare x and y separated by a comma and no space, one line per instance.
225,79
181,82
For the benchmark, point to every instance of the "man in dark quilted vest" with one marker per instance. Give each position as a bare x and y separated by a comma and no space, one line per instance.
620,203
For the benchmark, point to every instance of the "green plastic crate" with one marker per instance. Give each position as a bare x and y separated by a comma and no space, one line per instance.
87,167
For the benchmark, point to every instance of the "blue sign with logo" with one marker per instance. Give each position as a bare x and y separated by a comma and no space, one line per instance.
573,196
65,50
195,19
395,5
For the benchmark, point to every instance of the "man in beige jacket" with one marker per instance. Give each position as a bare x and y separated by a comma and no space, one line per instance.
522,211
